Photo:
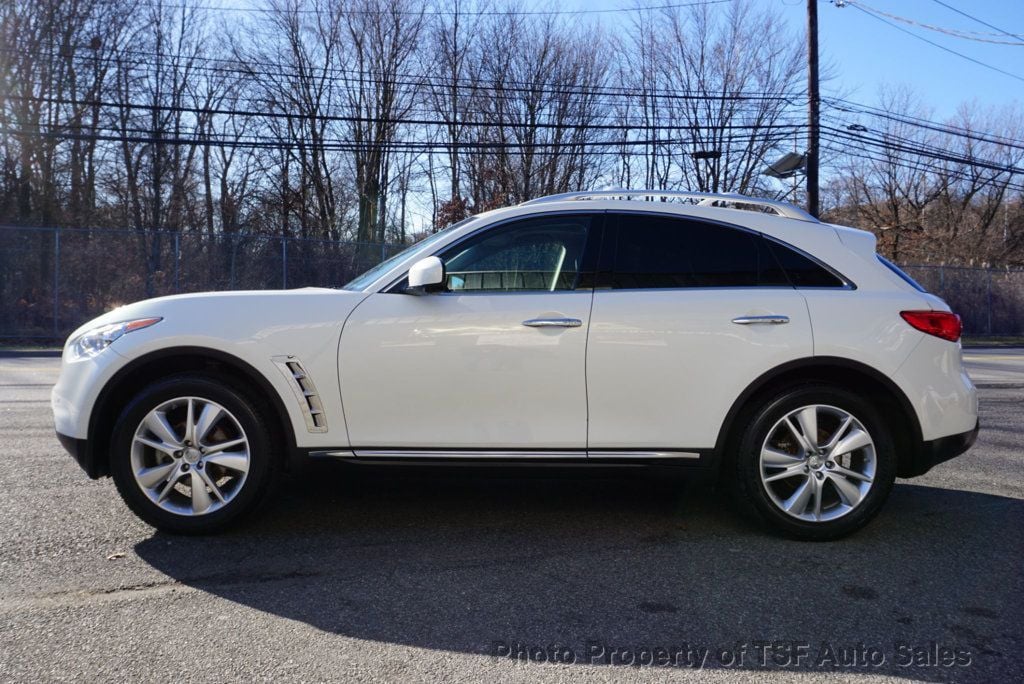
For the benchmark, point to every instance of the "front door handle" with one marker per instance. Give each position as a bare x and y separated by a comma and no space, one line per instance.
773,319
553,323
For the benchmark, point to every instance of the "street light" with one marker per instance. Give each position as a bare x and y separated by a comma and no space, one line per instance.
788,166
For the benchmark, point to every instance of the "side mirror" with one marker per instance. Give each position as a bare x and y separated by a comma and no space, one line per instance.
426,275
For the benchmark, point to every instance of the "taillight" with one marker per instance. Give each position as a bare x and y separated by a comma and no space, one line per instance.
942,324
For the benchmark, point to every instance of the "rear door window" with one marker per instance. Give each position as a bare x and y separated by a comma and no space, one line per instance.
654,252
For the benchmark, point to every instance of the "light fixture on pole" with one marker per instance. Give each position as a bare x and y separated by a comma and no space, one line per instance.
787,166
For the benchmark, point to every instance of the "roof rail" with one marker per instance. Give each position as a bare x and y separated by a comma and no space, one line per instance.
704,199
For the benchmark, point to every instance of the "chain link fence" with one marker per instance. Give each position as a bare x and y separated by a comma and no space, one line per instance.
990,301
54,279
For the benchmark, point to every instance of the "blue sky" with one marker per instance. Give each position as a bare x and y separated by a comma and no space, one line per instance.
864,54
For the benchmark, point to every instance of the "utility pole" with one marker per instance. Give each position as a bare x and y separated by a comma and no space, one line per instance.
813,106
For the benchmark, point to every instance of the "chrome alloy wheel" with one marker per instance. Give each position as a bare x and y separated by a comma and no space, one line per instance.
818,463
190,456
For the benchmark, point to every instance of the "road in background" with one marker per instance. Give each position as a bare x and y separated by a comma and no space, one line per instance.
995,366
355,573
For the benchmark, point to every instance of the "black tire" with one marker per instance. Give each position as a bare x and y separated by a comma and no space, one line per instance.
752,493
262,468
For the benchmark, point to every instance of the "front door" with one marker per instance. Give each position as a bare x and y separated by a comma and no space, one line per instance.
495,363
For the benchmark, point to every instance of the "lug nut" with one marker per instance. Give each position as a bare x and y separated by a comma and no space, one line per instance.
177,454
185,468
819,475
830,464
199,465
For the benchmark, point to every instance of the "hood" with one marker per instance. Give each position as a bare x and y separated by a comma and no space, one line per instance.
234,317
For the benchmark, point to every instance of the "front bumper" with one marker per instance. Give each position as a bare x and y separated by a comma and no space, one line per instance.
81,450
936,451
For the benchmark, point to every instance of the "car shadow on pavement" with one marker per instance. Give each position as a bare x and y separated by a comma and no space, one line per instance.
612,567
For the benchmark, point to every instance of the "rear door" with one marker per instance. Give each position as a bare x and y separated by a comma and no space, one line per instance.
686,315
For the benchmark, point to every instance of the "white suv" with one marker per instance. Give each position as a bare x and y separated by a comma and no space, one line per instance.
774,351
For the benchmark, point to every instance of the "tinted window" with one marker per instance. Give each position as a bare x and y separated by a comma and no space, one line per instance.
901,273
544,253
804,271
666,252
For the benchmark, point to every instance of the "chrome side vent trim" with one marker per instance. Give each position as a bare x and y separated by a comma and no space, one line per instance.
305,392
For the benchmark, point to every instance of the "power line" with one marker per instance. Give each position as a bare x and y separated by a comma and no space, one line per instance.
938,45
918,163
966,35
948,129
350,146
398,120
451,13
888,134
980,21
349,76
603,93
411,118
920,166
932,153
897,144
780,132
420,81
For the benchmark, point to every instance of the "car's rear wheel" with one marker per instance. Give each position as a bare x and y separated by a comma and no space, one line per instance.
190,455
815,462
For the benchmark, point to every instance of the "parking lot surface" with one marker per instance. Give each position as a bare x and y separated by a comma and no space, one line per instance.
386,574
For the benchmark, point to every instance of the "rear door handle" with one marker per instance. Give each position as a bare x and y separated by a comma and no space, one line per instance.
773,319
553,323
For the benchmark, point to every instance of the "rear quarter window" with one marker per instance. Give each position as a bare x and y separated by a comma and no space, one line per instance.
901,273
802,270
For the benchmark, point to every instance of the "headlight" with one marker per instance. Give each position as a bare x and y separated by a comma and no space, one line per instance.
92,342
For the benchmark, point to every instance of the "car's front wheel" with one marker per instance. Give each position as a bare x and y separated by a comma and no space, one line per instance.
815,462
190,455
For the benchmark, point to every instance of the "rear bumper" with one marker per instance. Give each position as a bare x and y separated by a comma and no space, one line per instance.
83,454
936,451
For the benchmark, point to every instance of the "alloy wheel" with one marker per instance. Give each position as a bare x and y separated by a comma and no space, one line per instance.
818,463
190,456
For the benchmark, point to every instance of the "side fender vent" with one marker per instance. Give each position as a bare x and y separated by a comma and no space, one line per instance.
305,392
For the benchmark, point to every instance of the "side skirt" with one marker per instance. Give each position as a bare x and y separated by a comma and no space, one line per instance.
505,457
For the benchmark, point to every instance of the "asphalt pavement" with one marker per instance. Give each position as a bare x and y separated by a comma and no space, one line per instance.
388,575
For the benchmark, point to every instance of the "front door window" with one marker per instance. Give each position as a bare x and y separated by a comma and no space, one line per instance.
539,254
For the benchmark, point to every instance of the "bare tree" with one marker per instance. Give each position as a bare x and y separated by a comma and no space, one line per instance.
933,193
383,38
729,112
452,85
293,64
543,80
354,119
890,188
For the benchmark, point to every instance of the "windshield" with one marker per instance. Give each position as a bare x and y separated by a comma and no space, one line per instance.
365,280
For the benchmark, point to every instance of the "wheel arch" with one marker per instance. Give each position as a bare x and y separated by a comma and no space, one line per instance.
172,360
902,418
